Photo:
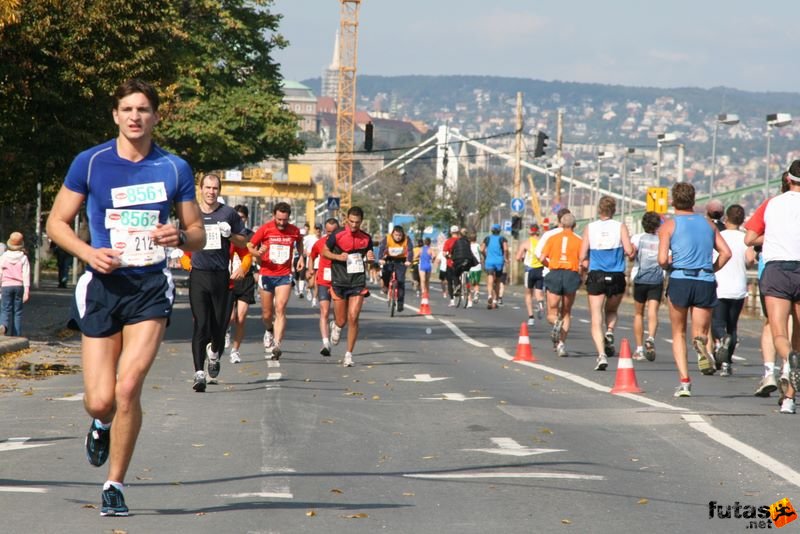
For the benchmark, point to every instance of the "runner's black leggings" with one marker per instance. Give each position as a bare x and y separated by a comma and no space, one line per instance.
725,320
211,311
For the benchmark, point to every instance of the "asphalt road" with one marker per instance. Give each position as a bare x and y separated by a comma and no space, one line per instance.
433,430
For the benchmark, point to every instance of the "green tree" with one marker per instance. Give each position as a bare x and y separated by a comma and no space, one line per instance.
211,59
226,107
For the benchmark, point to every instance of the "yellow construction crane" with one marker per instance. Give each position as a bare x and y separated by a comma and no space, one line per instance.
346,108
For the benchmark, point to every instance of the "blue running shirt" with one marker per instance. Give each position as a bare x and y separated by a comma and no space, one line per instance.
125,200
692,246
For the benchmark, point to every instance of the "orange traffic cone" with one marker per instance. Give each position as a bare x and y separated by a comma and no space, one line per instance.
424,306
626,377
524,353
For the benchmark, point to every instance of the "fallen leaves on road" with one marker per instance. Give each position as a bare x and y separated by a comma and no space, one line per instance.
566,521
311,513
643,501
336,490
360,515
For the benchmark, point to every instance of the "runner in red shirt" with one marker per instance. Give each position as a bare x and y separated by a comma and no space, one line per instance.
319,270
273,243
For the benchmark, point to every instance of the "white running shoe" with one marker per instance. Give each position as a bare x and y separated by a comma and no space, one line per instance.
213,362
228,338
269,340
531,322
314,302
602,362
788,406
336,333
235,356
469,304
348,360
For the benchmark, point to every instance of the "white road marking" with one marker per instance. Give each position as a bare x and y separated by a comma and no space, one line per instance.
261,494
697,422
455,397
464,337
423,378
458,476
273,363
274,376
509,447
22,489
17,444
73,398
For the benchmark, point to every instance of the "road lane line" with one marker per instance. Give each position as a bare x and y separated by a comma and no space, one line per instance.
21,489
464,337
260,494
459,476
751,453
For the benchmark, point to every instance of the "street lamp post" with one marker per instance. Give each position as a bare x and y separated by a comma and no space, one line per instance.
774,120
628,152
728,119
572,181
601,155
663,139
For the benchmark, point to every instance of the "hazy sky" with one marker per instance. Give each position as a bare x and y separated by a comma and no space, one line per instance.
743,44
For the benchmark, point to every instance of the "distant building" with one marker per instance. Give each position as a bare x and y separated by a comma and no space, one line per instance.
302,101
330,76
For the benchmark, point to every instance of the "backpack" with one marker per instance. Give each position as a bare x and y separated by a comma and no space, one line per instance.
462,253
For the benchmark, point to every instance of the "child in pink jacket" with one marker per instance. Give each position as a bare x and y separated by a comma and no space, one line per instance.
15,276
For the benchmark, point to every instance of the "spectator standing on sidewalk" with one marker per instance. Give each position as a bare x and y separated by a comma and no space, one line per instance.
123,300
15,279
63,262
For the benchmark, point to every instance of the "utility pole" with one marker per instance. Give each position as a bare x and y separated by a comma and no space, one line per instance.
559,160
517,184
518,150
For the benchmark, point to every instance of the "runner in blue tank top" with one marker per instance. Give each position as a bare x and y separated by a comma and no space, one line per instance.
691,239
495,252
425,267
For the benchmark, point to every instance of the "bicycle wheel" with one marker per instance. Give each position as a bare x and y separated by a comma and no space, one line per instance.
458,291
465,289
392,297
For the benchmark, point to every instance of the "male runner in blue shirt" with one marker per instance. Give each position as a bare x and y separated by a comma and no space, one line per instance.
124,299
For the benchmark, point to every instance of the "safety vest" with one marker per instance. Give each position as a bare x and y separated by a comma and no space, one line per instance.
396,250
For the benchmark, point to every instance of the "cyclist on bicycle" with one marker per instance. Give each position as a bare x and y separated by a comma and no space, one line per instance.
397,252
460,259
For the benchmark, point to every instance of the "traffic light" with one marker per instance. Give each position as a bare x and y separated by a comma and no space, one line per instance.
541,144
516,226
368,137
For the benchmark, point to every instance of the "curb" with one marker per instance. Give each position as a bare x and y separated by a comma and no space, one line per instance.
13,344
